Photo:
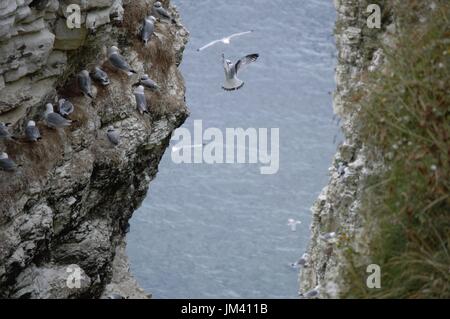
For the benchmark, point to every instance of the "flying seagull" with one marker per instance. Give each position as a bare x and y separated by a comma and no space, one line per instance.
148,83
65,107
100,76
118,61
159,12
293,223
225,40
85,83
147,29
141,101
113,135
54,120
232,82
32,132
6,163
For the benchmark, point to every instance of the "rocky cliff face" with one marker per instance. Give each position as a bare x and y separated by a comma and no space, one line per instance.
338,207
70,201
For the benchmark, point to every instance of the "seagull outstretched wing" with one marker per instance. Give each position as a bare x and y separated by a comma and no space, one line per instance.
239,34
245,61
209,44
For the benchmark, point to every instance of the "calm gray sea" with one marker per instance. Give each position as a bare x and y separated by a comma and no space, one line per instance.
220,231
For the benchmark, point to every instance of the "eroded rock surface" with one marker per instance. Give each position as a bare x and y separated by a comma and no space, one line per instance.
70,201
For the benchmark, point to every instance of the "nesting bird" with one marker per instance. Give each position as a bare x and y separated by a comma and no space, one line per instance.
65,107
32,133
141,101
313,293
4,132
100,76
329,237
7,164
85,83
54,120
159,12
148,83
118,61
232,82
113,135
147,29
302,262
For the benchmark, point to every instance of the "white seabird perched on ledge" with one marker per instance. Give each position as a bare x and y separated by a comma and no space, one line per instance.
148,83
159,12
232,82
7,164
118,61
32,133
113,135
100,76
141,101
85,83
329,237
148,28
4,132
313,293
225,40
65,107
54,120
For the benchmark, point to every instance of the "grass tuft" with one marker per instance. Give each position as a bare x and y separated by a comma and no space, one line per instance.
405,121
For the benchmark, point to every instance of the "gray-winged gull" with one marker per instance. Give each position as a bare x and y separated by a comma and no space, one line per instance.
118,61
100,76
313,293
293,223
65,107
225,40
54,120
232,82
85,83
148,28
4,132
6,163
141,101
113,135
115,296
32,133
148,83
301,262
329,237
159,12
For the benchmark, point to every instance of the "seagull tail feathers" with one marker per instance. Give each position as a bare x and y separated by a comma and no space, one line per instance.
233,88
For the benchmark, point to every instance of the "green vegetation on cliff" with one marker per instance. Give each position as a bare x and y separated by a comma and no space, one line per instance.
405,123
